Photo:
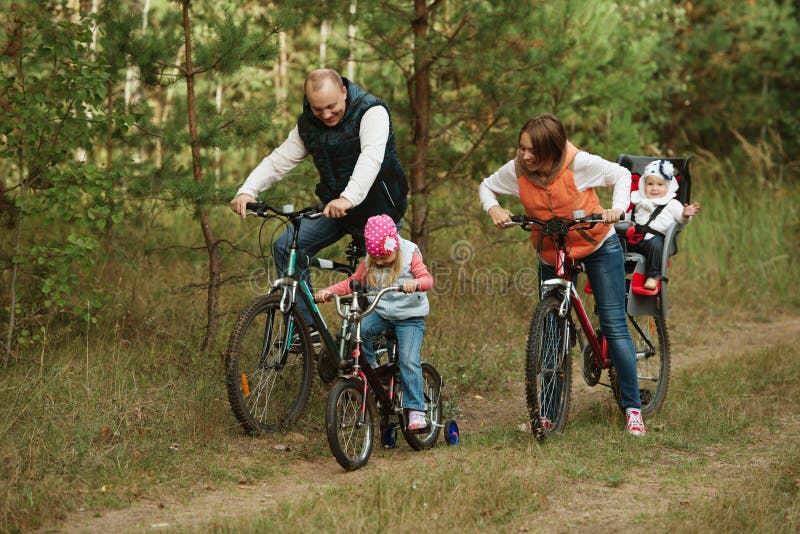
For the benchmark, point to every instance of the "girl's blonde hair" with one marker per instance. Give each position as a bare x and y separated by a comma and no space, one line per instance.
380,277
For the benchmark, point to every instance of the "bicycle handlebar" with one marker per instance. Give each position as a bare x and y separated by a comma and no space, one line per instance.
555,225
260,209
361,315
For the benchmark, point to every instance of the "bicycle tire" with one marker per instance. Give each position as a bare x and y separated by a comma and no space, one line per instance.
548,369
651,340
264,395
349,440
432,391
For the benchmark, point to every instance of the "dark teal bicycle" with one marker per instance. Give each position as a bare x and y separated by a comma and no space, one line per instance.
270,356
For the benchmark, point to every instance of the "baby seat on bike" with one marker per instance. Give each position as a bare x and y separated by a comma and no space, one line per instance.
642,301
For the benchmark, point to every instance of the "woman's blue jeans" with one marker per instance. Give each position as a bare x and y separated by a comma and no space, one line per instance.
409,334
605,268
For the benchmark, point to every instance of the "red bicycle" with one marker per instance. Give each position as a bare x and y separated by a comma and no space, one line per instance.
553,334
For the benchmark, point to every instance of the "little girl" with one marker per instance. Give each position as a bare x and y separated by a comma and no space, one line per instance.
392,260
655,210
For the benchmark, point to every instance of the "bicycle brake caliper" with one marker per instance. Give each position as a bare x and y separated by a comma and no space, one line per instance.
563,310
287,298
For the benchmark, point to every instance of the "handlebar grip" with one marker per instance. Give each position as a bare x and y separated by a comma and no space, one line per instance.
518,218
253,206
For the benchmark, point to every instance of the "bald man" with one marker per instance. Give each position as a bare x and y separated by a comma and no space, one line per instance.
348,133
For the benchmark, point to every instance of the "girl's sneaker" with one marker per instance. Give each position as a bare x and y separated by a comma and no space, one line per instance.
416,420
634,424
546,423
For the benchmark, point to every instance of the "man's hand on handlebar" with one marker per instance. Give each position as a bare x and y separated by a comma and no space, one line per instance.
337,208
239,204
500,216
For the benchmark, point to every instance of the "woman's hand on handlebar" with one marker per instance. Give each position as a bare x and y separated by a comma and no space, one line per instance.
500,216
610,216
239,204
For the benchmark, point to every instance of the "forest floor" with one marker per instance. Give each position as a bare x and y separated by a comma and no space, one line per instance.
211,504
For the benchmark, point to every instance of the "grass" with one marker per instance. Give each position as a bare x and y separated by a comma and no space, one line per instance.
501,480
497,479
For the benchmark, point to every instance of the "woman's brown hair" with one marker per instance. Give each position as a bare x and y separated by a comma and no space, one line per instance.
548,137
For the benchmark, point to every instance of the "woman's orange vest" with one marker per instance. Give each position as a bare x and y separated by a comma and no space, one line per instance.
560,198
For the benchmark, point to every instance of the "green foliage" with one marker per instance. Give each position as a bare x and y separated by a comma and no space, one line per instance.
56,90
740,68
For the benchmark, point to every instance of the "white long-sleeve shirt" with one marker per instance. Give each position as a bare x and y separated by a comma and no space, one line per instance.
589,171
373,134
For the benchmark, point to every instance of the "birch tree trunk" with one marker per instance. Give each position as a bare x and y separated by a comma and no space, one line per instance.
217,151
351,38
132,87
324,33
279,71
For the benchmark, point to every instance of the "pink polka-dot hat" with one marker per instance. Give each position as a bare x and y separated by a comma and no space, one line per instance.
380,235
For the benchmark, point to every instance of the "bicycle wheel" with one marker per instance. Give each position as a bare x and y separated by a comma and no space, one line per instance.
268,388
432,390
548,369
651,340
349,437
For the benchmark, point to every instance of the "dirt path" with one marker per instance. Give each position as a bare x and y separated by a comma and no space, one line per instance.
478,412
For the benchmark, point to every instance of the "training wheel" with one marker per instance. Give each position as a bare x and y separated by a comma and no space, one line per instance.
451,434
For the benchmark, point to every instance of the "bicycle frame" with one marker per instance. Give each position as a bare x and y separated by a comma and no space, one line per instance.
557,230
571,299
369,377
289,283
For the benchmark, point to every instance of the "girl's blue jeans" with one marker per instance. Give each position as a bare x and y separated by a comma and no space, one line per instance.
409,334
605,268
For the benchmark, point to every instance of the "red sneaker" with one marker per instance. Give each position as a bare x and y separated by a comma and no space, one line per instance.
546,423
634,424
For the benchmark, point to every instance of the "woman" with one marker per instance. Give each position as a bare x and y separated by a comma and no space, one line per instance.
552,178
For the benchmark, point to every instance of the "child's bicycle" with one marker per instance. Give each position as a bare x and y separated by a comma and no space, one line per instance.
365,400
553,334
270,356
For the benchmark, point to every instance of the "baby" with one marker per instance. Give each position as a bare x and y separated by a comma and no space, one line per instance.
655,210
